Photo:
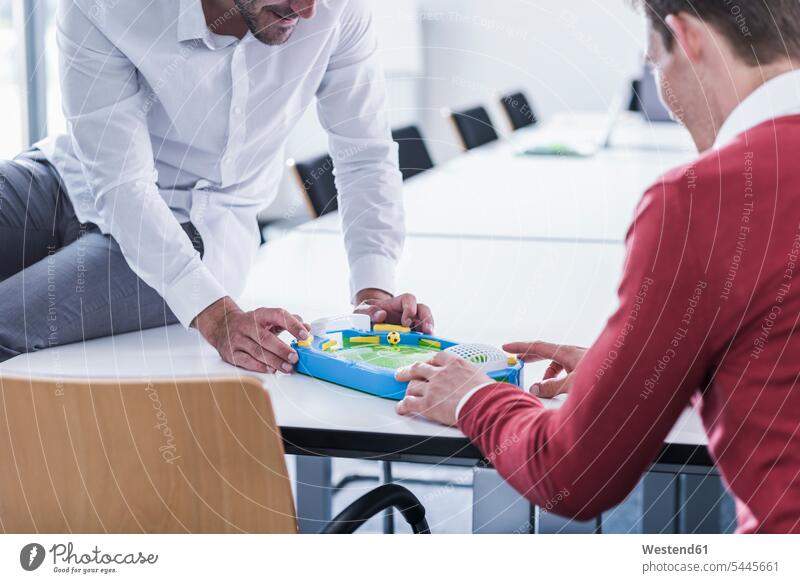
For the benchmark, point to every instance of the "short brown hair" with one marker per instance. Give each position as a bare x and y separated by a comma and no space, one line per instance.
760,31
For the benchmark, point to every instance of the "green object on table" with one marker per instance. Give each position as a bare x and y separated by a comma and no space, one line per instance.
555,149
391,357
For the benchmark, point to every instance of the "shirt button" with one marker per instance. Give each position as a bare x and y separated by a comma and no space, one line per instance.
227,161
237,110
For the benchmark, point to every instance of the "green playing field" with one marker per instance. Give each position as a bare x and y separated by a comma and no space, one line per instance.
392,357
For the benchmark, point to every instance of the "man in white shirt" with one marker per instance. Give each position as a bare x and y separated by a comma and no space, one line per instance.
178,111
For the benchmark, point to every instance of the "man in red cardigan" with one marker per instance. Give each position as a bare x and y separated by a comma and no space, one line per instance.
709,303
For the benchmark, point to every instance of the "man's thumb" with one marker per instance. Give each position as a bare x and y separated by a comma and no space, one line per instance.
550,388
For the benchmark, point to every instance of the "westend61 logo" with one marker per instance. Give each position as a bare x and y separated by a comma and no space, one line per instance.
67,560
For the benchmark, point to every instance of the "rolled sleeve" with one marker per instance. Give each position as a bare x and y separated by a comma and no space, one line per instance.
192,293
373,272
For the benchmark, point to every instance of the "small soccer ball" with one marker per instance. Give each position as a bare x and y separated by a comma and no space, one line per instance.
393,338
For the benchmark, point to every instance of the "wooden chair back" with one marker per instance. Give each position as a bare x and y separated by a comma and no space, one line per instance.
182,456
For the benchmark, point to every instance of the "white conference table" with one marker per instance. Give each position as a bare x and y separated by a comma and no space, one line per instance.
493,192
486,293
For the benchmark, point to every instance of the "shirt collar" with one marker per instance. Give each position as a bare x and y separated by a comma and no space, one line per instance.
192,26
191,20
777,97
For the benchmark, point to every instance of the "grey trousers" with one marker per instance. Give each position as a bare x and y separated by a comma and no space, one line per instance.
62,281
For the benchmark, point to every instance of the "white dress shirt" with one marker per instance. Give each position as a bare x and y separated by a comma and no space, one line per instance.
169,122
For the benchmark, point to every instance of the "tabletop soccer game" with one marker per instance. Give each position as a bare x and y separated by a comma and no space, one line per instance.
351,352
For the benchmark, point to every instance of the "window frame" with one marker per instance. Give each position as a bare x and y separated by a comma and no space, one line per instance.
29,21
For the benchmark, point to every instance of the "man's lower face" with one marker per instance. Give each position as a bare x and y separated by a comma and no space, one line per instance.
272,24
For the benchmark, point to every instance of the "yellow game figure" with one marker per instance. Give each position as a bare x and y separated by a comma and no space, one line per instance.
393,338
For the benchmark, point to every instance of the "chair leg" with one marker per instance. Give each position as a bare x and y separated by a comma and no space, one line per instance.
388,514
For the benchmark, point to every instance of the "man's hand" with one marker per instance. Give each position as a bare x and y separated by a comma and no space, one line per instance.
403,310
436,387
250,339
563,358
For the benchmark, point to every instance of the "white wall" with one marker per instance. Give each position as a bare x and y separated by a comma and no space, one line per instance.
566,54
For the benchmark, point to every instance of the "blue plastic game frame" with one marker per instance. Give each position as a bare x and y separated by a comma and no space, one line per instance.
319,363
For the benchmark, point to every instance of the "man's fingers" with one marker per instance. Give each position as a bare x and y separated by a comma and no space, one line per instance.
443,358
416,389
531,351
402,309
568,356
272,360
553,370
294,325
244,360
284,357
252,348
271,317
376,314
424,319
550,388
408,304
410,405
306,325
523,350
417,371
267,355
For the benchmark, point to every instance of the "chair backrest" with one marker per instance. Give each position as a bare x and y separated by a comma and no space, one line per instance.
317,182
635,104
199,456
474,126
414,155
519,110
645,98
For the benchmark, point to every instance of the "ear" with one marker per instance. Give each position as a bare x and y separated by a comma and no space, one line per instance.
690,34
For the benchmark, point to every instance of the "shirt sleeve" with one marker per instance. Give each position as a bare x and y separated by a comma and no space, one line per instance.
468,395
352,106
105,108
628,391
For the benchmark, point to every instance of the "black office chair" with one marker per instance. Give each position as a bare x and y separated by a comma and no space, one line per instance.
316,180
519,110
635,103
474,127
645,98
414,155
375,501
